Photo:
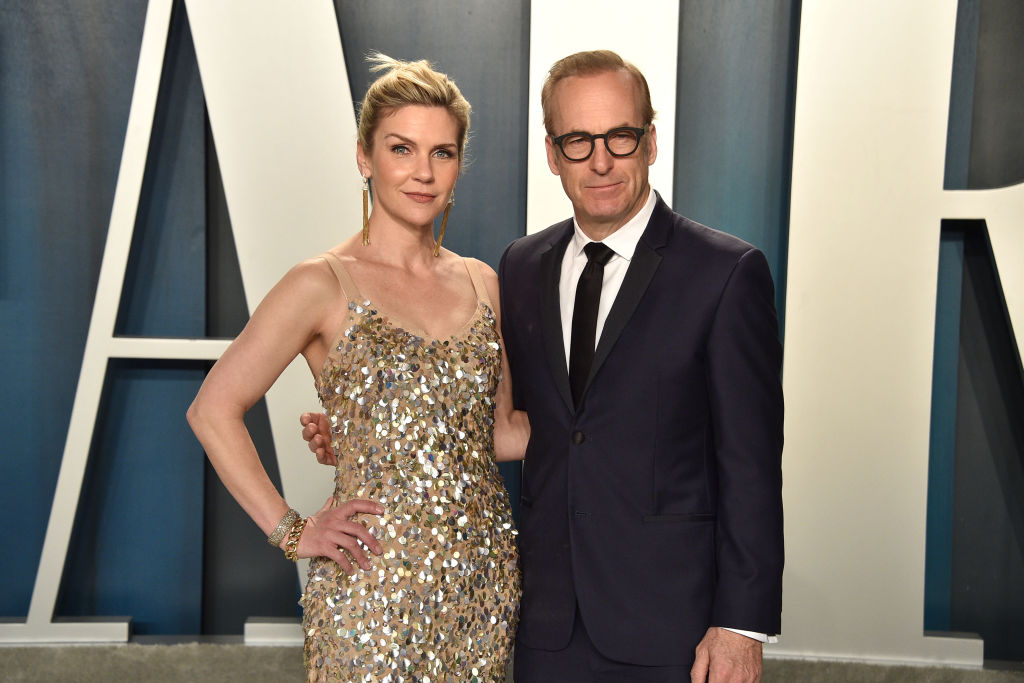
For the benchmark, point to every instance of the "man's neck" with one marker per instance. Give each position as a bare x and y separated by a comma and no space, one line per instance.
598,231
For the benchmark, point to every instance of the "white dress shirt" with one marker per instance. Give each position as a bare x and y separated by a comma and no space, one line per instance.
623,242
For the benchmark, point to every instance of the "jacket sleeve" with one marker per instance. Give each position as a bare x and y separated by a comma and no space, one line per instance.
507,312
745,398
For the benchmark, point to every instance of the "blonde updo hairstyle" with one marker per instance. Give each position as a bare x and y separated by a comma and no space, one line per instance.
405,83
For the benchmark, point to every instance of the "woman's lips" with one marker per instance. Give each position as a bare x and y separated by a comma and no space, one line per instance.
419,197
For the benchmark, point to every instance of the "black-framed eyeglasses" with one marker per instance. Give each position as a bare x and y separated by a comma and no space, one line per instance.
620,142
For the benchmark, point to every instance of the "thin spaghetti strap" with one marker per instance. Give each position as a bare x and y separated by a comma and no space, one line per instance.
348,285
473,266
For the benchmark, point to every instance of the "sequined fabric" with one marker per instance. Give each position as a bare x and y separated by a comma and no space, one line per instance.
412,425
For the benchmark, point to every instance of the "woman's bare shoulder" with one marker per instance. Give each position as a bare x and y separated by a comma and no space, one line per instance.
488,274
310,278
305,295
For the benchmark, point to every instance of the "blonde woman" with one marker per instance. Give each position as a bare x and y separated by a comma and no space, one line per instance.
415,572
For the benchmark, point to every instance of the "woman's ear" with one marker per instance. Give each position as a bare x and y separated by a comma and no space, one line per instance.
363,161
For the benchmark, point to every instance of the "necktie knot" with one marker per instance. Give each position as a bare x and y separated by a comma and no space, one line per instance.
598,253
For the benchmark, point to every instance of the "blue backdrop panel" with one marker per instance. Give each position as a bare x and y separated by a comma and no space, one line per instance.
997,124
942,439
961,96
734,121
137,545
164,286
987,572
66,77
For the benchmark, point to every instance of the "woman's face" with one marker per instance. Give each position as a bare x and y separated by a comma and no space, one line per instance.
413,164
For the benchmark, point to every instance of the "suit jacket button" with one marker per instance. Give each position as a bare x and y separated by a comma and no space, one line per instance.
578,437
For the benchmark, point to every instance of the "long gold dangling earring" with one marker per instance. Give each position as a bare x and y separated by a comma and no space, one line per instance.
444,224
366,218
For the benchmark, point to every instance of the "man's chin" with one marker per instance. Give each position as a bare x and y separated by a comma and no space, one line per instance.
604,212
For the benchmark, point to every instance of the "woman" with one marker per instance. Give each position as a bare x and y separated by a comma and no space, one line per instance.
414,571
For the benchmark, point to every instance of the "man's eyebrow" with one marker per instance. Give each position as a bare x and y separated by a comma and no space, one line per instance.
625,124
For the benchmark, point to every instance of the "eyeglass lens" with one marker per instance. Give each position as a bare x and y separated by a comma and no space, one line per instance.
618,141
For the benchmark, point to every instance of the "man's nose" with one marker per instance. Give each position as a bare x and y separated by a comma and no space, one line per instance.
601,159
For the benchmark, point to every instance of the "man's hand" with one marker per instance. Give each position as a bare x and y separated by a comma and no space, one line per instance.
726,657
317,433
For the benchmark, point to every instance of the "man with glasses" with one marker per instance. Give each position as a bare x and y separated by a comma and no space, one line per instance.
644,348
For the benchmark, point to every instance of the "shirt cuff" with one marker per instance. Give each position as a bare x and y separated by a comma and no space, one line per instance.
762,637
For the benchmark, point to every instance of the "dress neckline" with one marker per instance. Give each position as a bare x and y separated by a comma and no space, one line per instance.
351,291
414,331
366,309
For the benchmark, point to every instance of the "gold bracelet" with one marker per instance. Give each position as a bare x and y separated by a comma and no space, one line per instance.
291,548
277,535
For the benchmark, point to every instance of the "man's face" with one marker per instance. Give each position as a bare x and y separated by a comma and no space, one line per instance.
605,191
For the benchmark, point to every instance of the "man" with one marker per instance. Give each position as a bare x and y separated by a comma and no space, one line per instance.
651,512
651,523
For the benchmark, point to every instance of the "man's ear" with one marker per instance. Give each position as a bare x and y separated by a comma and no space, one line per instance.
549,146
652,144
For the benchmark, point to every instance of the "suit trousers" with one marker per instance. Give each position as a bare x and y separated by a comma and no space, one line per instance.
580,662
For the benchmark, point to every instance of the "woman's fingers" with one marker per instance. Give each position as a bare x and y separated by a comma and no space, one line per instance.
334,529
338,556
362,534
320,540
342,519
352,507
358,554
310,428
316,432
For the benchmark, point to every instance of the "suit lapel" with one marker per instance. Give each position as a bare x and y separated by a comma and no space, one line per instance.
641,269
551,313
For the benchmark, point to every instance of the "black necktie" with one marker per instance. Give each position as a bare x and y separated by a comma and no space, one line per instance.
584,317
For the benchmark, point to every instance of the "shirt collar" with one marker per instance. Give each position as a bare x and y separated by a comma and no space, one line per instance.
624,240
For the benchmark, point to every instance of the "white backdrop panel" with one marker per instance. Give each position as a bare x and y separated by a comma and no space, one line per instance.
646,35
281,113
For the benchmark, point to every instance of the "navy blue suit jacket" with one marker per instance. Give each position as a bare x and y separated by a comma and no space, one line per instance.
656,506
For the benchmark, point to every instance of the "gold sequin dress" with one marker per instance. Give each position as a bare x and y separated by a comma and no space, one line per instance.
412,421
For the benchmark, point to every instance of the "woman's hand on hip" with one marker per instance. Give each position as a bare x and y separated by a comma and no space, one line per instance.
333,531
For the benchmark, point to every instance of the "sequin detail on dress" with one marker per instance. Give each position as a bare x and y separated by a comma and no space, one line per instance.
412,425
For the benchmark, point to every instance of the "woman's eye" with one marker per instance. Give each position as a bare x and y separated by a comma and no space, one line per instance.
444,154
400,149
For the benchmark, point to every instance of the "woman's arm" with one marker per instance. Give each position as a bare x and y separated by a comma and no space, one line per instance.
289,321
511,426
